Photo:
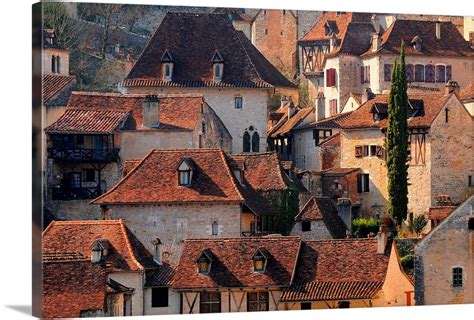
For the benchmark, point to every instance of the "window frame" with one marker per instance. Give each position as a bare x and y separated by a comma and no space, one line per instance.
437,73
417,79
160,303
258,298
184,173
237,104
213,300
305,226
215,228
457,277
86,175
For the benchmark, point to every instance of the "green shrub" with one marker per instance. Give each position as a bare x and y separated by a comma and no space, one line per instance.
408,263
363,227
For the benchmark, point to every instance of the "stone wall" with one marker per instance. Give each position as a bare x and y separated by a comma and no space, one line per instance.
318,231
173,223
63,60
132,280
253,113
173,303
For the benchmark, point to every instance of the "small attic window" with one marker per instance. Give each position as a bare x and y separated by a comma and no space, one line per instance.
260,259
185,172
416,43
204,261
167,65
99,250
217,66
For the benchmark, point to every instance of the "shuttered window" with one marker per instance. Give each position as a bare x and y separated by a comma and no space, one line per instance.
448,73
332,107
387,72
363,182
330,77
440,73
365,74
429,73
419,73
409,72
358,151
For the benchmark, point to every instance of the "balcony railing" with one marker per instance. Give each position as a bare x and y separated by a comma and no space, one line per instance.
75,193
83,155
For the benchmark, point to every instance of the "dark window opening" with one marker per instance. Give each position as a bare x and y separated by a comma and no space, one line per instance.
373,151
457,277
419,73
305,305
446,112
469,181
470,224
89,175
159,297
363,182
246,142
306,226
238,103
257,301
210,302
343,304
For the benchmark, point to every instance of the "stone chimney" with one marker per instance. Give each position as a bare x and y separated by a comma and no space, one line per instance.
376,42
320,107
344,210
382,239
367,95
157,248
450,87
438,30
443,200
151,111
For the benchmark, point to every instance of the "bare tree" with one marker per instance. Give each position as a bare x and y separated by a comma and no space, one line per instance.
68,30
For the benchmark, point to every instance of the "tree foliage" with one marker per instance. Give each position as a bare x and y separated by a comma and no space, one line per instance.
397,143
288,208
68,31
417,224
361,228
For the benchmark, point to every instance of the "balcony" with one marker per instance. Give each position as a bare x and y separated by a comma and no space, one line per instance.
75,193
84,155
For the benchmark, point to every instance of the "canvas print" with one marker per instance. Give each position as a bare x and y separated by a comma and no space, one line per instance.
207,160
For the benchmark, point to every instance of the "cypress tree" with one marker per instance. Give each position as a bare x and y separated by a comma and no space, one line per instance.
397,143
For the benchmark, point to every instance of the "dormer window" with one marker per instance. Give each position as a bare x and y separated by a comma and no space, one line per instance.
260,259
217,66
167,65
416,43
185,172
99,250
204,262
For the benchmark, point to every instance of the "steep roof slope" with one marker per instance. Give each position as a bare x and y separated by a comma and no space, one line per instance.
200,36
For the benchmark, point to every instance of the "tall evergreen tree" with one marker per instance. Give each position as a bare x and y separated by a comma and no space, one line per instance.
397,143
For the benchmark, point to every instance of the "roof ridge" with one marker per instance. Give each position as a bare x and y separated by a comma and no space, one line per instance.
63,222
243,238
342,240
123,228
136,95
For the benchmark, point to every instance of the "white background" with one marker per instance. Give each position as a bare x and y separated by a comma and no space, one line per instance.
15,154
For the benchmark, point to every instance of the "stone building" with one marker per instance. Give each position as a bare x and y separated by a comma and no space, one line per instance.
177,194
436,122
319,220
444,262
235,274
240,20
349,52
212,58
102,268
89,142
349,273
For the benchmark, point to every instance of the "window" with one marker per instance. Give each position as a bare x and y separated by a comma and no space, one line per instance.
306,226
255,142
429,73
440,73
251,140
321,135
266,31
469,181
358,151
204,265
238,102
332,107
387,72
217,71
215,228
53,64
363,182
330,77
167,71
159,297
88,175
184,178
364,74
58,66
446,115
259,261
75,179
373,151
343,304
257,301
246,142
366,151
210,302
409,70
448,73
203,128
185,172
419,73
457,277
305,305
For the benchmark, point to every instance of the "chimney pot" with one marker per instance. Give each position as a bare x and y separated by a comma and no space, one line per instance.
367,95
382,238
443,200
151,111
344,210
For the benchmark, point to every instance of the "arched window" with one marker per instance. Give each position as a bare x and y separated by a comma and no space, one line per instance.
218,71
246,142
215,228
53,64
255,142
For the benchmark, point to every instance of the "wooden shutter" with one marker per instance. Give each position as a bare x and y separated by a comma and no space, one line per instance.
358,151
359,183
409,72
366,182
330,77
429,73
387,72
448,73
368,74
379,151
361,74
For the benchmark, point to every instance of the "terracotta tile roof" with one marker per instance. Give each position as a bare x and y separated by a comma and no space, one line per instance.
339,171
293,122
128,165
356,39
127,252
88,121
327,291
334,140
72,287
63,256
347,264
263,171
451,42
177,111
333,122
161,276
323,208
53,84
155,179
440,212
362,117
232,264
357,97
468,92
201,35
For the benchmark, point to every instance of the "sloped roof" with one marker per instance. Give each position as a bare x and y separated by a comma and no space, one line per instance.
161,276
468,92
293,122
178,112
88,121
440,212
356,39
263,171
363,118
71,287
451,42
155,179
200,36
53,84
232,265
323,208
128,165
337,270
333,122
126,253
